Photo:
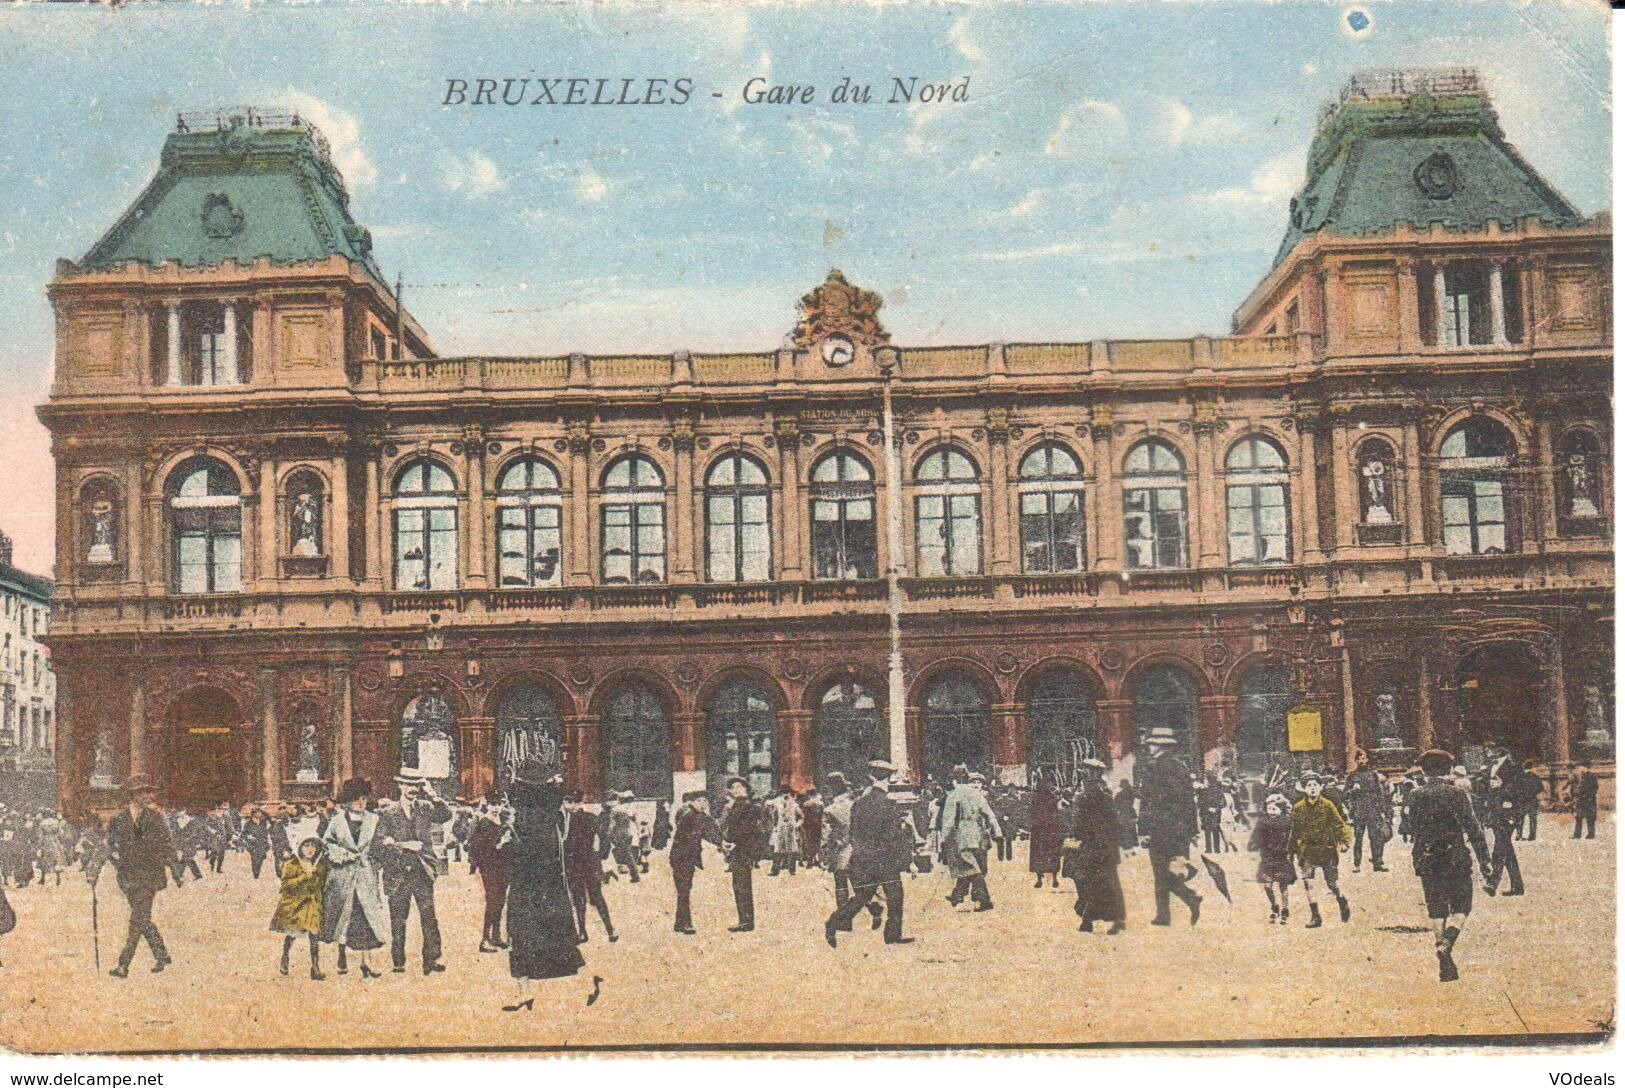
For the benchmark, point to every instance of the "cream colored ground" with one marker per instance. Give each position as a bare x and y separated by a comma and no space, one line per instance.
1021,974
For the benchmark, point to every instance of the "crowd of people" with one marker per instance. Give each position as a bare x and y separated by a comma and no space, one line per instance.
354,869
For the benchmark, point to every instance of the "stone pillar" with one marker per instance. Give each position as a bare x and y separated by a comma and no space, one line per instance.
1010,742
1308,493
1424,704
796,740
996,502
1219,723
477,511
1350,730
1410,307
1107,530
686,510
478,775
1415,514
138,724
689,731
1206,519
584,769
1562,728
579,510
791,540
229,355
1439,312
336,529
1345,499
1537,504
912,761
1498,309
343,764
265,548
174,374
379,564
271,754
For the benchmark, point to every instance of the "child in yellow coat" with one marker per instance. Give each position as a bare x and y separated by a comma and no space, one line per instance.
299,903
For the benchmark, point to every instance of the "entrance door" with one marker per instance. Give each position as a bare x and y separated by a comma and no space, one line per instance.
1501,703
205,767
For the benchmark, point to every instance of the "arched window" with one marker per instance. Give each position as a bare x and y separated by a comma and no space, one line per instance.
1475,462
740,728
851,728
1060,723
1051,510
956,725
527,726
1267,694
529,541
634,545
425,527
304,500
429,739
1378,482
638,743
1154,507
206,528
1256,503
843,517
947,515
738,540
100,533
1165,695
1579,484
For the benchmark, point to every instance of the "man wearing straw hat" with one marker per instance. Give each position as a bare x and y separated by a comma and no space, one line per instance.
1168,820
141,850
410,867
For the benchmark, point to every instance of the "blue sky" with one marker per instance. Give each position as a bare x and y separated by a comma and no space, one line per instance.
1118,170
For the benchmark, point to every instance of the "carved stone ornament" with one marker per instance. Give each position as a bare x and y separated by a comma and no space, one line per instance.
1110,660
580,675
836,308
793,668
1006,663
220,217
687,672
1437,176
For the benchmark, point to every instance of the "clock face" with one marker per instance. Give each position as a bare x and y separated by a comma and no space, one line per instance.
837,351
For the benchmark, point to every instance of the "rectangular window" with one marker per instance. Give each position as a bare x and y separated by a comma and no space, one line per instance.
1257,523
949,537
843,539
634,547
529,547
1154,528
1474,517
1051,532
426,549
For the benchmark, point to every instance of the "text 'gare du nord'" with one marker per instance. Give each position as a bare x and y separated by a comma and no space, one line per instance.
297,545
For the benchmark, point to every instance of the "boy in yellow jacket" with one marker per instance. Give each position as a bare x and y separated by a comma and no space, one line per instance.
1319,834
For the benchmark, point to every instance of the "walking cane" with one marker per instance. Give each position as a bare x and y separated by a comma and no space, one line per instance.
95,928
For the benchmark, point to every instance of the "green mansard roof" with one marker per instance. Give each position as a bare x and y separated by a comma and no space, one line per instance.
236,186
1418,147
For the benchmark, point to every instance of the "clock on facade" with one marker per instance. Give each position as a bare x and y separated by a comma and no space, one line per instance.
837,350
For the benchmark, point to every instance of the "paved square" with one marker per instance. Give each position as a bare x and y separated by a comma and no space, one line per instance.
1020,974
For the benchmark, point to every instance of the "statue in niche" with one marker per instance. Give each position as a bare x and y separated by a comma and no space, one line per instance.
1580,502
306,525
102,545
310,754
1375,476
101,764
1387,722
1595,715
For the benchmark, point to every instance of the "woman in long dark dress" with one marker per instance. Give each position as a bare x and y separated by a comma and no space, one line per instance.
1093,852
541,921
1044,853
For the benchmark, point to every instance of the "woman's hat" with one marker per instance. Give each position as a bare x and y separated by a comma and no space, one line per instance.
1436,762
307,841
354,789
1274,799
693,795
1310,776
879,768
1161,734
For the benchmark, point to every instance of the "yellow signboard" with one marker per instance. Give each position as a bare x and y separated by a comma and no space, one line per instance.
1303,730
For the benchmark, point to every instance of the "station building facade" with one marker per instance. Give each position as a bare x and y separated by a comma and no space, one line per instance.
296,544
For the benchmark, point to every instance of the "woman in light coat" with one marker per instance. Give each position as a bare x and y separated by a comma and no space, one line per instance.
353,913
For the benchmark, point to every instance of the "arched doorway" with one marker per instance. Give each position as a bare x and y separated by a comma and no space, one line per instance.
1165,695
205,751
1500,697
1267,693
428,742
741,729
637,749
956,725
1061,723
851,727
527,725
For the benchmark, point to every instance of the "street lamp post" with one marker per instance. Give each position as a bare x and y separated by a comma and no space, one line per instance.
896,699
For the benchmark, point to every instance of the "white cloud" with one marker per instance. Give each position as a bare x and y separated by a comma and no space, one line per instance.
959,34
591,186
1085,128
475,174
1271,186
343,134
1021,209
1176,125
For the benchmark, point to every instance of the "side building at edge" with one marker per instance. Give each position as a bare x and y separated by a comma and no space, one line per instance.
295,544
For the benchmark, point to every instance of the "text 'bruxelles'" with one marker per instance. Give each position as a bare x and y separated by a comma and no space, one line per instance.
599,91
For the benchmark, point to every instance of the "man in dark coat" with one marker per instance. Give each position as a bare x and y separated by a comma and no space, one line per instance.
489,845
584,865
1443,828
406,832
1168,821
1092,852
1505,816
881,849
694,827
1128,820
1583,792
1528,787
256,839
745,843
1371,811
141,850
